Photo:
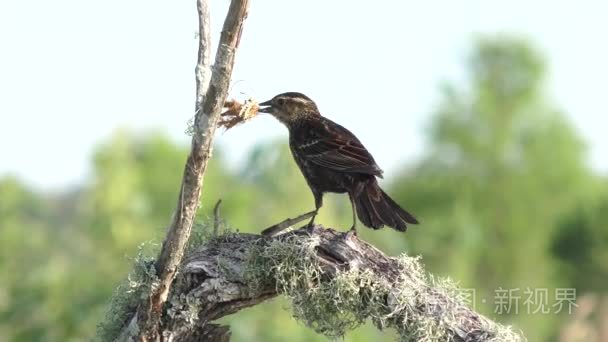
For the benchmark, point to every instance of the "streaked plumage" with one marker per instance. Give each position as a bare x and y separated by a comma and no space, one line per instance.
332,159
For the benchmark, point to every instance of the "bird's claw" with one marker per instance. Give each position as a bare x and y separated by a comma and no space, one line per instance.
352,232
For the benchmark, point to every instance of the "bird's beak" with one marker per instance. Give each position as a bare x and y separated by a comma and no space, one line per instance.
265,107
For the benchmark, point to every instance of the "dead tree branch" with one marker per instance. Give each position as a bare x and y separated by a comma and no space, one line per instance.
212,88
335,282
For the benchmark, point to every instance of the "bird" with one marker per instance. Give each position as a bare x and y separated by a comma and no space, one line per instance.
332,159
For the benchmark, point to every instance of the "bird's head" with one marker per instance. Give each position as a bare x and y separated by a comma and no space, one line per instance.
289,107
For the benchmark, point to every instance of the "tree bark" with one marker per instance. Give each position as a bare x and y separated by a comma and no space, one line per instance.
217,279
212,88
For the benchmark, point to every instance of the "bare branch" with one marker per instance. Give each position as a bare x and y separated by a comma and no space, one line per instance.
212,89
203,64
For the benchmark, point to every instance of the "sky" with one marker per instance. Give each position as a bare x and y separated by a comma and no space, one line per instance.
72,72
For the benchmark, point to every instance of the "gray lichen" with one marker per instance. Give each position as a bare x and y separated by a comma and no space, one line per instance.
129,294
417,306
332,306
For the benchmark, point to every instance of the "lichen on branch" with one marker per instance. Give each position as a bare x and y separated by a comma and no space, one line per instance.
334,282
333,299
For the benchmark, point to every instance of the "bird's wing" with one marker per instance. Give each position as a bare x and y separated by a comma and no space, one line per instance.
330,145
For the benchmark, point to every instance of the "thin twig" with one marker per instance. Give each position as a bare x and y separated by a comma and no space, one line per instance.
216,217
277,228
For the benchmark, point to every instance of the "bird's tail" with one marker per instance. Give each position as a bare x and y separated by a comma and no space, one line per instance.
376,209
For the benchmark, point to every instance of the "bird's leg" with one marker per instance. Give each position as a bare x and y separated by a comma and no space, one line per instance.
352,204
312,219
318,205
353,228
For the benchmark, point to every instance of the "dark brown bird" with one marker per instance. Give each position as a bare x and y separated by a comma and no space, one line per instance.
332,159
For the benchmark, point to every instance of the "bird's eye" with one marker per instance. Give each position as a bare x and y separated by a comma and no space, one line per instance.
280,102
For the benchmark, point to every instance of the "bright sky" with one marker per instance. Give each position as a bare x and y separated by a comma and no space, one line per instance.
73,71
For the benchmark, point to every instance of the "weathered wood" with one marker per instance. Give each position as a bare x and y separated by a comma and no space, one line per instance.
216,278
211,92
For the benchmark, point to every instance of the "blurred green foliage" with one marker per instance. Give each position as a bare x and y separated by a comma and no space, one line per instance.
503,191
